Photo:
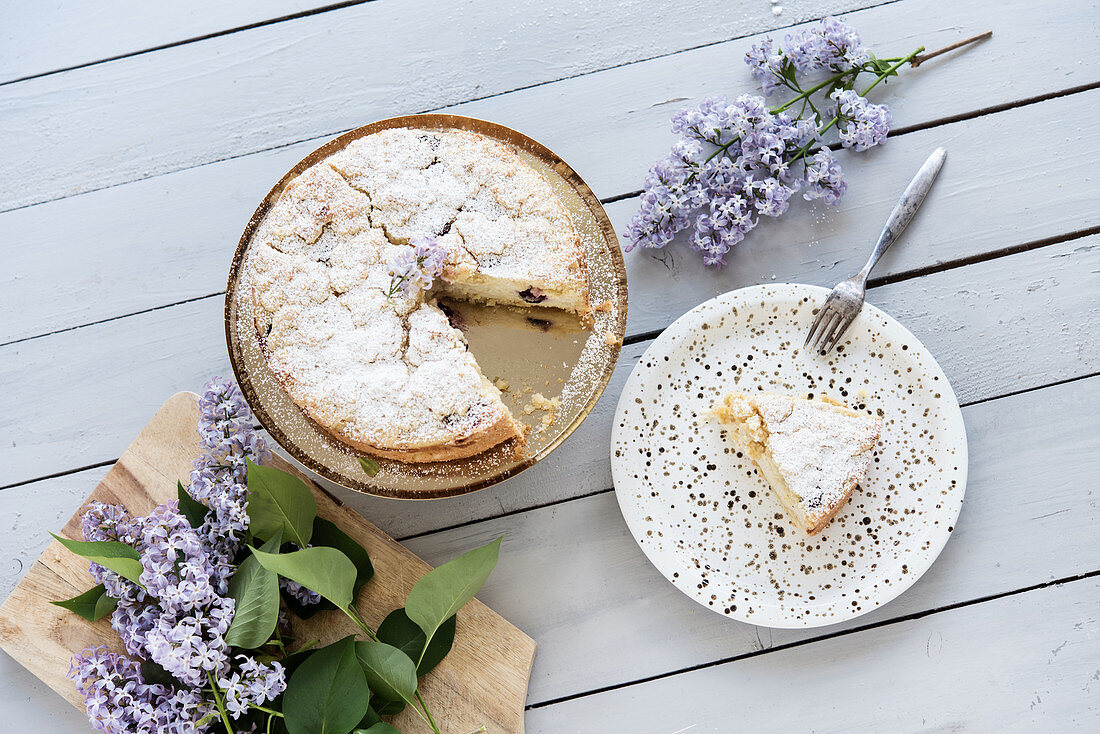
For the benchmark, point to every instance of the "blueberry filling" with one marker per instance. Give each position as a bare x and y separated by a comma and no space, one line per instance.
453,317
532,295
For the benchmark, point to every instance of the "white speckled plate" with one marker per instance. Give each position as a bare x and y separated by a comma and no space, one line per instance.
713,527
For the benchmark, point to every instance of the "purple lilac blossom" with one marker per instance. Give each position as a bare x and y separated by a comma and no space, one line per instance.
304,596
180,618
218,478
111,522
720,187
414,267
769,196
829,44
824,179
249,683
119,701
766,65
706,123
672,193
862,124
189,645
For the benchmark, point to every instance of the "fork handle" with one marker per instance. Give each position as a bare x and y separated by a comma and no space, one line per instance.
906,207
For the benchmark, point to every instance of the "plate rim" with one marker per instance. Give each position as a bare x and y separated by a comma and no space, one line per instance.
428,121
667,337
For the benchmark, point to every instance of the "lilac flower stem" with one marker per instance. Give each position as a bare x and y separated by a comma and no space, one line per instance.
806,94
354,614
829,125
395,287
918,60
897,65
219,702
266,710
424,705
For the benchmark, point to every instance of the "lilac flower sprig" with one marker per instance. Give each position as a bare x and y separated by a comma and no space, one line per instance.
198,591
416,266
179,614
737,161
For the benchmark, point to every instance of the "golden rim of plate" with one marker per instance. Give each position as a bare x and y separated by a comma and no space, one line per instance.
324,454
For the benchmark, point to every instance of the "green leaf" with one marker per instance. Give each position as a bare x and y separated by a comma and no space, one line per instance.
152,673
369,719
370,466
440,593
118,557
390,673
326,533
104,606
324,570
380,728
387,708
404,634
256,591
294,660
279,501
328,693
192,509
93,604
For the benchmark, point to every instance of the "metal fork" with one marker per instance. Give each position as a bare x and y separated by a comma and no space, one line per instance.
844,302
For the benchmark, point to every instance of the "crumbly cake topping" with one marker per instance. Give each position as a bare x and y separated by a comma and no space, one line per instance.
818,447
393,373
493,216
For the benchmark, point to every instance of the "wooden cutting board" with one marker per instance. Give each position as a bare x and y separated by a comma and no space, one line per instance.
483,681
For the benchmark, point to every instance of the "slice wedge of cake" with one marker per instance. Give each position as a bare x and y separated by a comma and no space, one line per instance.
811,452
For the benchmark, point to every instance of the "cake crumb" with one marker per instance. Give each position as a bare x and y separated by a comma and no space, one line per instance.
501,384
589,318
610,339
541,402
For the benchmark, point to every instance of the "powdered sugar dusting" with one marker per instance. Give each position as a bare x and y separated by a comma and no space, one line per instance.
409,341
818,449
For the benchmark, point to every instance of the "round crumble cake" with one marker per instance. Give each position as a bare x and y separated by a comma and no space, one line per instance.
391,376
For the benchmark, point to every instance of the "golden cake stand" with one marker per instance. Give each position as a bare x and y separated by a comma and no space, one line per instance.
530,352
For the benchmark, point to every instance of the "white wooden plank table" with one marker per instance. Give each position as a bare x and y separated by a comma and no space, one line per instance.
136,140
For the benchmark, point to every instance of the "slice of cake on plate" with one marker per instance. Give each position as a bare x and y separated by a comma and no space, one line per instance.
811,452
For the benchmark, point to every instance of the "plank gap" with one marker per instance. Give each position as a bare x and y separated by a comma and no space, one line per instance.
833,635
193,39
113,318
654,333
898,132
